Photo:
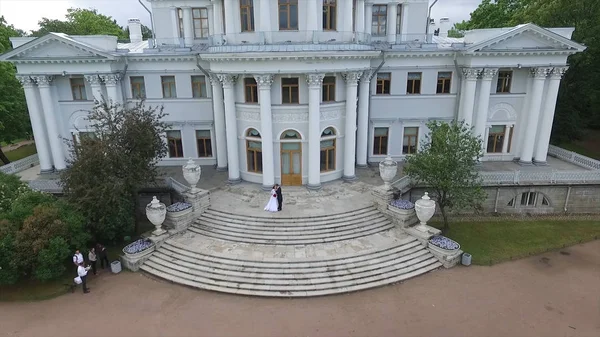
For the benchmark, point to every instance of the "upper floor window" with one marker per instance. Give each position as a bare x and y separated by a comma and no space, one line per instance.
198,86
169,89
78,89
329,89
413,84
288,14
250,90
496,139
175,144
290,91
138,89
443,82
504,81
180,21
329,14
200,17
247,15
383,83
379,20
410,140
399,20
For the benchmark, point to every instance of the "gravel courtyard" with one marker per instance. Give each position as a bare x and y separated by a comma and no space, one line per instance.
553,294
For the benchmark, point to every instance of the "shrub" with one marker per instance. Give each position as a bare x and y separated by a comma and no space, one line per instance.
8,268
10,188
51,260
23,205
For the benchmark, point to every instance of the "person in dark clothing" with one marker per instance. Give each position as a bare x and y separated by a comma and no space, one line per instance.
103,255
279,196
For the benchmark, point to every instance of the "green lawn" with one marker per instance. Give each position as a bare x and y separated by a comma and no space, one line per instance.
21,152
497,241
13,142
583,150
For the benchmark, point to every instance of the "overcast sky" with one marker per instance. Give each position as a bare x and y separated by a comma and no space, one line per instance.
25,14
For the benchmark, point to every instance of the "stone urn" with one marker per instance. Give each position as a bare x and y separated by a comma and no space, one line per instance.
387,171
156,212
191,174
425,208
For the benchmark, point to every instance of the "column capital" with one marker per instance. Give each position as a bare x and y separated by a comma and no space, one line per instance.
471,73
558,73
366,76
110,79
539,73
93,79
214,79
352,78
26,80
227,80
314,80
488,74
44,80
264,81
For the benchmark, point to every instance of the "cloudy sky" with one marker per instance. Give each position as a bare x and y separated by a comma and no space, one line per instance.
25,14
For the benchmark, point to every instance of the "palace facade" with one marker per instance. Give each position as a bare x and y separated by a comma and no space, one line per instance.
299,92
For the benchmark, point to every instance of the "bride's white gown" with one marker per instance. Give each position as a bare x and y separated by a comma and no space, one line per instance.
272,205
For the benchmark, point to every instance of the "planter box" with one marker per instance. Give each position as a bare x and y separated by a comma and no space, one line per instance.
448,257
179,220
135,260
402,217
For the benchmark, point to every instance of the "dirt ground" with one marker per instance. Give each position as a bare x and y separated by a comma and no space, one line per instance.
554,294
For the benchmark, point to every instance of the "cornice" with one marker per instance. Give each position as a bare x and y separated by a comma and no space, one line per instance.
279,56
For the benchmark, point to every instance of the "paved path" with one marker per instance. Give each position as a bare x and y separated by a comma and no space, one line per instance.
547,295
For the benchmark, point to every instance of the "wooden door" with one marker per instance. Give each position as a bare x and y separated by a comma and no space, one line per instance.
291,164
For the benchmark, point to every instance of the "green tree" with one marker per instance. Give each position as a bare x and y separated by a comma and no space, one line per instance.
106,171
445,163
81,22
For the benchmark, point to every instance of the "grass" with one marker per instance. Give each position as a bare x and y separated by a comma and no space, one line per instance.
20,153
491,242
582,150
13,142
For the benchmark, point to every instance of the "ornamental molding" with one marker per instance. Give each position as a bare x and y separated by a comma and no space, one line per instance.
327,114
489,74
43,81
93,79
502,112
264,81
471,73
189,123
111,79
366,76
279,56
314,80
248,116
298,117
540,73
352,78
558,73
227,80
26,80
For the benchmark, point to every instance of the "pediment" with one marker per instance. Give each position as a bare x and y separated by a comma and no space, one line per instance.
526,40
57,49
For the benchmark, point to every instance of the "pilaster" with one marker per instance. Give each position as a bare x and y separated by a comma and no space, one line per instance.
56,146
359,26
219,120
95,83
533,113
470,75
265,18
362,132
229,17
111,82
484,102
392,11
350,128
547,117
347,15
315,82
175,26
188,26
233,159
311,15
218,17
368,16
266,129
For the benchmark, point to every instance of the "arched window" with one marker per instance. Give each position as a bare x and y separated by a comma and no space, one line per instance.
328,150
254,151
290,134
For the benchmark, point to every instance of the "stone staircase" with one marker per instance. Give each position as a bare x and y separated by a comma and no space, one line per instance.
277,256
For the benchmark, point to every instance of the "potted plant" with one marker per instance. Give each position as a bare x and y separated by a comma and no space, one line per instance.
138,248
443,244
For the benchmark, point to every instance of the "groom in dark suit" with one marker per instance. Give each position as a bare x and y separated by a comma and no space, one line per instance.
279,197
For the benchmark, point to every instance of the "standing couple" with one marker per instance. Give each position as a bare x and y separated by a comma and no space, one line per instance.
276,199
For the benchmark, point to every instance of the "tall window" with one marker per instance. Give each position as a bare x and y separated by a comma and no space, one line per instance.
410,140
289,91
443,82
496,139
329,89
504,82
175,144
168,86
254,151
180,21
198,86
78,89
250,90
379,20
413,84
329,14
384,81
380,141
328,150
200,17
288,14
528,198
203,143
399,20
247,15
138,89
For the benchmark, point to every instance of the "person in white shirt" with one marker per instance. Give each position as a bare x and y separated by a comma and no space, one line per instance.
82,272
92,258
77,258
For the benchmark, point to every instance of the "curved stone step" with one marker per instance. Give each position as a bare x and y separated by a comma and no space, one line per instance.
278,218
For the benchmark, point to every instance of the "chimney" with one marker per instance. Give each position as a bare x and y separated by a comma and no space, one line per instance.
135,30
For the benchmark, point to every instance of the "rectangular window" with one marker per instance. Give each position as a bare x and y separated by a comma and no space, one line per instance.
138,89
528,198
384,81
290,91
496,139
443,83
288,14
380,141
329,14
199,86
200,18
413,84
379,20
329,89
250,90
327,155
410,140
254,156
399,20
175,144
203,143
504,81
180,21
169,89
78,89
247,15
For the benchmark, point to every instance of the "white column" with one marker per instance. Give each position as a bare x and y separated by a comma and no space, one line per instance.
188,26
368,17
347,15
219,120
507,129
111,81
265,16
37,124
392,14
210,11
218,17
360,18
311,15
521,127
231,127
461,101
362,132
470,76
533,113
483,103
315,82
96,83
54,137
266,129
350,129
175,18
229,18
404,27
545,125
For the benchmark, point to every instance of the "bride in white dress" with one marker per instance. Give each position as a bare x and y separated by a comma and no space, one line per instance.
272,205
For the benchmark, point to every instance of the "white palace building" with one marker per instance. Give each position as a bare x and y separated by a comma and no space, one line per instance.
299,92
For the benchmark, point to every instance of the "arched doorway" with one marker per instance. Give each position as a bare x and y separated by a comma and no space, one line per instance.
291,158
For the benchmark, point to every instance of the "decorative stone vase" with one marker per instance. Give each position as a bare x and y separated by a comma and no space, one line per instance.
191,174
387,171
156,212
425,208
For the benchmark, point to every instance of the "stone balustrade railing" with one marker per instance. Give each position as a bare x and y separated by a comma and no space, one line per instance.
573,157
20,165
176,185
